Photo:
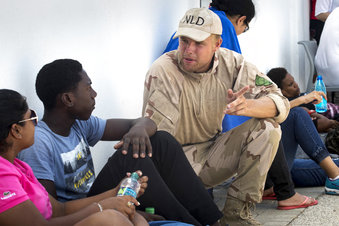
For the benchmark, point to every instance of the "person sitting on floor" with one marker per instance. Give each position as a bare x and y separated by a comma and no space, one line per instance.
235,16
60,156
298,129
24,201
187,93
290,89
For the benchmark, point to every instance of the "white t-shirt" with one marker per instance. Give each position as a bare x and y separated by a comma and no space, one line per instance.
327,57
323,6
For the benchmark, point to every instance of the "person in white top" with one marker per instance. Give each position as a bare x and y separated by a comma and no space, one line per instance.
327,57
323,8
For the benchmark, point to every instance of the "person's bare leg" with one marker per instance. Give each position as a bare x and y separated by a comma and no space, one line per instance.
296,199
107,217
268,192
139,220
330,168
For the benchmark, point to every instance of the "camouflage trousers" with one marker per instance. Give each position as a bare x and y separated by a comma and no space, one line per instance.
246,151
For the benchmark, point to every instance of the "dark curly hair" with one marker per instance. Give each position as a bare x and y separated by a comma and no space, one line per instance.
57,77
13,107
277,75
236,7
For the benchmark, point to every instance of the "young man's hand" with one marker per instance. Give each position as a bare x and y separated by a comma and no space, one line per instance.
139,139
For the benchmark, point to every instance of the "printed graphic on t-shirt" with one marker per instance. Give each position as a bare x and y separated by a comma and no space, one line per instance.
78,168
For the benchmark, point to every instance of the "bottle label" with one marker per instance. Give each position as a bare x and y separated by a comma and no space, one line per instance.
127,191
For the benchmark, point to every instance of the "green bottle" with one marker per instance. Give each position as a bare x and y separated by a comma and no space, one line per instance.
150,210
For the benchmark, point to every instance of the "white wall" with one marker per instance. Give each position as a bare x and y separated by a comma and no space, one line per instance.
116,41
273,35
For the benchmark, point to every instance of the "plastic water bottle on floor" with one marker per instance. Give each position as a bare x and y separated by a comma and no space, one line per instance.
130,186
320,86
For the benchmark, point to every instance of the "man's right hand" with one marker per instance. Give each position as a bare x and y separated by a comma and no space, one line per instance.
236,102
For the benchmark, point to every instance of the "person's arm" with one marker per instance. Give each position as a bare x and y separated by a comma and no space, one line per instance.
131,132
314,97
69,213
253,93
116,128
263,107
81,203
50,187
261,98
322,9
323,16
324,124
162,91
107,200
76,205
26,212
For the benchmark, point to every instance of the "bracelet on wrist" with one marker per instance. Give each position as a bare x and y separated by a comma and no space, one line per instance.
100,207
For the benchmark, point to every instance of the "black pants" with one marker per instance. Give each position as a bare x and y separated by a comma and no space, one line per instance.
316,28
174,190
279,176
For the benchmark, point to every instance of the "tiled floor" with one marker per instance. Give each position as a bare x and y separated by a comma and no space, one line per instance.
326,212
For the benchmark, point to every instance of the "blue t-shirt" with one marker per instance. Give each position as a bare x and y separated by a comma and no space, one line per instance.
67,161
229,41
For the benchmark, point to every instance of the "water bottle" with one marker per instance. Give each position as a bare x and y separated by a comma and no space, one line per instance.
130,186
320,86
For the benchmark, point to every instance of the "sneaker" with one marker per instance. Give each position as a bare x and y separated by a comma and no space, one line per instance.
332,187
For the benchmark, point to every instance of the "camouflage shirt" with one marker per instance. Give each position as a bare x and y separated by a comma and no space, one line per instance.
190,105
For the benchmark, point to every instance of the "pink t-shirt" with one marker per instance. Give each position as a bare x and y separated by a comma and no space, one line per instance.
18,184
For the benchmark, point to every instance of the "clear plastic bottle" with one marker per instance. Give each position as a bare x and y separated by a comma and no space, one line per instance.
130,186
320,86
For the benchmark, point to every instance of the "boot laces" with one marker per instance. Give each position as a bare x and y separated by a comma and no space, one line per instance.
245,212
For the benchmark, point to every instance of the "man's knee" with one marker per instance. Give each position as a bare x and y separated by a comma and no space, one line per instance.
163,140
267,135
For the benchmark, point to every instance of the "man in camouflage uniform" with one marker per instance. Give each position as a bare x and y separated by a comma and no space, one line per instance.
188,91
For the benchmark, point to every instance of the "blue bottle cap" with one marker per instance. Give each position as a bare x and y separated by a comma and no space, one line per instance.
135,175
319,77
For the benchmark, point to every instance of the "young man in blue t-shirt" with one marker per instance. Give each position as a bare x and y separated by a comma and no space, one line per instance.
61,158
